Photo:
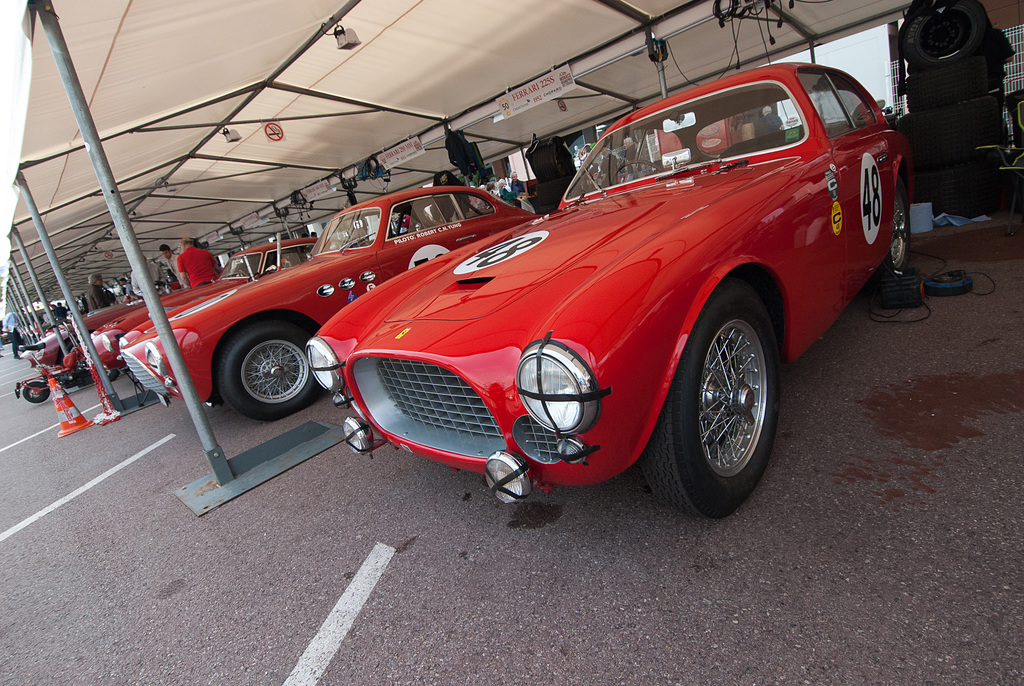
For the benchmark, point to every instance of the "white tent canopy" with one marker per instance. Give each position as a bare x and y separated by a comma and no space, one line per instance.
164,79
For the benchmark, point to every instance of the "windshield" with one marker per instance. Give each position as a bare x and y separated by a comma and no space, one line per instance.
738,121
350,230
247,266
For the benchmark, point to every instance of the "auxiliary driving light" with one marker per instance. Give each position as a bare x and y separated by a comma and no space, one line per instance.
507,476
572,450
358,435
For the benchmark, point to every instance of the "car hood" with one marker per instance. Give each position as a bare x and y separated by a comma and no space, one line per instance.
575,244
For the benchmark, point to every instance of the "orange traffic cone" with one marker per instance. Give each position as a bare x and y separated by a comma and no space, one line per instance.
71,419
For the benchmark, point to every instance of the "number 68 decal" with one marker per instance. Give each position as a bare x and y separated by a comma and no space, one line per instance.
870,197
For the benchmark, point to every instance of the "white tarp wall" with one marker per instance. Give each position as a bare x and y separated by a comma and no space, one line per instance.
15,77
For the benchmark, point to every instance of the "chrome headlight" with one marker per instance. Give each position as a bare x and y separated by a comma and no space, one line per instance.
557,387
155,359
324,364
108,345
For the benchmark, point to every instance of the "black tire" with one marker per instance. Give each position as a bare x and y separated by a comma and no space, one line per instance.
548,194
113,374
899,247
35,391
958,82
951,135
263,373
550,159
965,190
931,39
679,464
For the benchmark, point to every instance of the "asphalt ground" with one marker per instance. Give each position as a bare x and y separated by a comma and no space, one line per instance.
884,545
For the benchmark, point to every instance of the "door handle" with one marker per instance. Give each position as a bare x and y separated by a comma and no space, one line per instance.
465,238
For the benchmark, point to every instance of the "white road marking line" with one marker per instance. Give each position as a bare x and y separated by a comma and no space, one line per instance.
325,644
79,491
52,426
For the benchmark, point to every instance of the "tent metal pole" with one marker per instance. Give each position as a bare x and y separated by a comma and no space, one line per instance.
90,135
76,317
35,281
29,309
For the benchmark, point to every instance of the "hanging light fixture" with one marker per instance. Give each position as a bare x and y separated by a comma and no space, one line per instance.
347,38
231,135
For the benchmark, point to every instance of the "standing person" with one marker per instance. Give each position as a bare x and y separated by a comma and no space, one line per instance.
59,311
152,273
11,327
168,266
517,186
97,296
196,266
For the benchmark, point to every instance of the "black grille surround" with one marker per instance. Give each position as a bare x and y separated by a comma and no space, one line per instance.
427,404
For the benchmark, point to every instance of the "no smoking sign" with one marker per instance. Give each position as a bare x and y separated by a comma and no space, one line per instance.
274,131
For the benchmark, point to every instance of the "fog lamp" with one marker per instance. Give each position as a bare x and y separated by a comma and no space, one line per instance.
507,476
358,435
572,450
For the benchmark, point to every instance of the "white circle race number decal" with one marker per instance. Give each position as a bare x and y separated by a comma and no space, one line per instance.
870,197
502,251
426,252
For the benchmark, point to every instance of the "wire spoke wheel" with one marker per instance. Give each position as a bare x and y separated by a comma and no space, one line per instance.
732,398
899,248
275,371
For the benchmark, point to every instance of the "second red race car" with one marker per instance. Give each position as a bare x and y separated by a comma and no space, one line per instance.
246,345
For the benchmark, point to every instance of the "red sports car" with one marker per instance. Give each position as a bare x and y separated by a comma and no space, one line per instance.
245,346
704,238
245,265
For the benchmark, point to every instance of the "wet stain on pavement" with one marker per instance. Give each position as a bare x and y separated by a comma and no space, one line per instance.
534,515
933,412
405,546
894,480
172,589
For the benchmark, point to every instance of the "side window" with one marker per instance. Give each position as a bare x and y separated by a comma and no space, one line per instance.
400,220
858,108
428,213
293,255
473,205
826,102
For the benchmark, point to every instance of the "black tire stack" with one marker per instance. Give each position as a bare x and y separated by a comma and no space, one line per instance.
951,113
553,166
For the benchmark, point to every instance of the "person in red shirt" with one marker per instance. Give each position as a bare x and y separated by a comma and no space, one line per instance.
196,266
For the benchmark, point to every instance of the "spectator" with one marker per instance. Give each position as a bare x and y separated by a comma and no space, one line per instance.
517,186
769,122
196,266
152,273
168,266
97,296
59,311
10,325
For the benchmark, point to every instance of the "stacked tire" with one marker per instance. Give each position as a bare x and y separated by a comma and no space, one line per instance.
950,112
553,166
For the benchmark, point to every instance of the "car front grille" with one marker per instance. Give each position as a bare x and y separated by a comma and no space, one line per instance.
143,375
427,404
535,440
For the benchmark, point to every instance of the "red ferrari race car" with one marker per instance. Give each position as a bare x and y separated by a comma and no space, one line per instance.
245,346
245,265
704,238
112,321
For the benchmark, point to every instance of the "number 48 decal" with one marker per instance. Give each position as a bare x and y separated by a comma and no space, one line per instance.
870,197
